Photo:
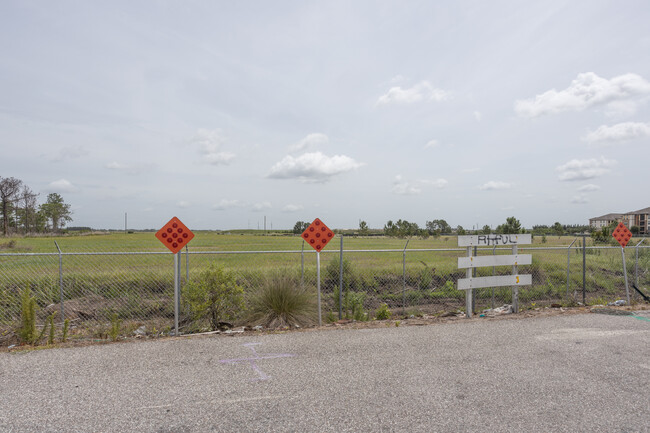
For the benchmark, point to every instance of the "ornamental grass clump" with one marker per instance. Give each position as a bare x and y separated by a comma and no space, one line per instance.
280,302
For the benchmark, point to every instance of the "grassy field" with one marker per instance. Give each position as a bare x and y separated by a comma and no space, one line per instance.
139,287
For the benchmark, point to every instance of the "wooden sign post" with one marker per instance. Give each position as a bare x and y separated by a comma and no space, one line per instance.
470,262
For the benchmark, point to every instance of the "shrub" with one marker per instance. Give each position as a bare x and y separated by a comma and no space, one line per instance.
383,313
214,296
352,304
280,301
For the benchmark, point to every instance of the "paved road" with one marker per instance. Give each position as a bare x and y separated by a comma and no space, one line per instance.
571,373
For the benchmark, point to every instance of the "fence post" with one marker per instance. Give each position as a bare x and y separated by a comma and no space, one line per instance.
341,280
636,265
568,266
468,292
515,290
404,277
302,265
494,272
187,265
60,282
584,269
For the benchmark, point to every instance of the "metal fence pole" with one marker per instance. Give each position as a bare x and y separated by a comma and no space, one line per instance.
468,292
474,275
584,269
568,266
404,277
341,280
627,289
636,265
187,265
302,265
320,319
60,282
177,298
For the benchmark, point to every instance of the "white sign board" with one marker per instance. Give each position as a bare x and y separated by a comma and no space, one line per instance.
496,281
479,261
494,240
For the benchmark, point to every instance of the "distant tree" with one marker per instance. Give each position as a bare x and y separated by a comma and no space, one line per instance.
558,229
460,231
300,227
56,211
28,211
363,228
512,226
635,230
438,227
9,193
486,230
401,228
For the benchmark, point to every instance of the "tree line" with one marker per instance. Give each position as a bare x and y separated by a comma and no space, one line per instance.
21,213
403,228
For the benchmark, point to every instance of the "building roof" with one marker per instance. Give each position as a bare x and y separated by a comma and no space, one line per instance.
640,211
609,216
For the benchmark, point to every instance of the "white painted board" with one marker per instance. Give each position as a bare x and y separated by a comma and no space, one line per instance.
496,281
492,240
480,261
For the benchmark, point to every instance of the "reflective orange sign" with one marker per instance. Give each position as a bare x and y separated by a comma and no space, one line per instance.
622,234
174,235
317,235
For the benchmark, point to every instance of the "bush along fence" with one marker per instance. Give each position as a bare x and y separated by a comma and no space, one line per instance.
102,295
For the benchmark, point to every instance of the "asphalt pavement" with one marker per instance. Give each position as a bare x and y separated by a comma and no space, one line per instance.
567,373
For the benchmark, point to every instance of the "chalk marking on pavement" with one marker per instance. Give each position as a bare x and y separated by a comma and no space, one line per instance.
253,361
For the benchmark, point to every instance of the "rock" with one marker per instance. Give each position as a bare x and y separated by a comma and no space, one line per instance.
505,309
618,303
141,331
449,314
556,306
258,328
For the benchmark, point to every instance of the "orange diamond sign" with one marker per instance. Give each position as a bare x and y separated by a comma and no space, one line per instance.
174,235
622,234
317,235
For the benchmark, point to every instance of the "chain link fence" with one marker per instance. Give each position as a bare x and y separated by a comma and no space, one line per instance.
94,289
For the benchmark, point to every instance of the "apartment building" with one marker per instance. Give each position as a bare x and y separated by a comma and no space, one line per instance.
639,218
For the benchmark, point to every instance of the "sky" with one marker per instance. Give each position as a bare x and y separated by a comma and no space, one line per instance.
225,113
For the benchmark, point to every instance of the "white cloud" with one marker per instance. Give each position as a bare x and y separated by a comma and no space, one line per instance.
619,132
422,91
228,204
292,208
61,185
582,169
260,207
128,169
183,204
311,141
437,183
209,143
494,185
402,187
589,188
432,144
478,116
313,167
579,199
587,90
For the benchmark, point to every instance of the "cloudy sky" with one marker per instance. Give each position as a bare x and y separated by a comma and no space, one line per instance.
224,112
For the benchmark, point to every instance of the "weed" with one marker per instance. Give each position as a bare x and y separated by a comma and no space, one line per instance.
50,339
214,296
116,323
280,301
397,323
383,313
66,327
331,318
27,330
